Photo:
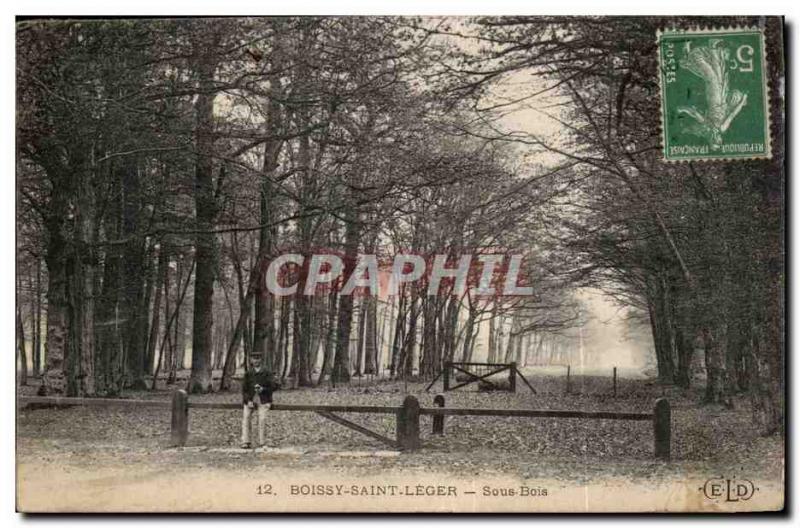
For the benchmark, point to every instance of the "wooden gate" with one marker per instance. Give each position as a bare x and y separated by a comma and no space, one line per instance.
408,416
479,372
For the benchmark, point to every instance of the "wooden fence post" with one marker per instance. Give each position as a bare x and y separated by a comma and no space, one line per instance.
438,419
512,376
446,380
662,429
408,424
180,418
615,382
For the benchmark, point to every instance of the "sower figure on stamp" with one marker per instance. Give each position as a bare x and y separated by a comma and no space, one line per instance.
257,388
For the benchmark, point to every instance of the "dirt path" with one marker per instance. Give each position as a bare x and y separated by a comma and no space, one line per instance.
63,477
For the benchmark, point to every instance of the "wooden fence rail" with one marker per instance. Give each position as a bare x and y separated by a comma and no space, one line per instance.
407,416
532,413
63,401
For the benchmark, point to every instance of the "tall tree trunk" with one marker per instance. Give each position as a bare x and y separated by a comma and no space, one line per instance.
768,378
143,319
410,343
155,325
287,309
86,286
54,380
684,345
264,327
399,334
714,343
685,356
451,337
23,356
179,342
167,342
662,340
360,336
37,347
205,216
317,333
492,351
330,337
35,310
382,340
430,338
499,340
133,268
371,336
108,340
341,362
512,340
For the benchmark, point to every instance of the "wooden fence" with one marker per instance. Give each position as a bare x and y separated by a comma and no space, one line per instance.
407,435
479,373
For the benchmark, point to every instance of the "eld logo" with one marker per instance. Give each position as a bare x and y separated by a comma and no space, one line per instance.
728,489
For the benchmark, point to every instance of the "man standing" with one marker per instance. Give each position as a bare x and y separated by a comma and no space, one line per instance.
257,388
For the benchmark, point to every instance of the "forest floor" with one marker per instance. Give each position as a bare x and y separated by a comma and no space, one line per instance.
707,441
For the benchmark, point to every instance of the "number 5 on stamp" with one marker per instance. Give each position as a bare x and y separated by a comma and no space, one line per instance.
714,103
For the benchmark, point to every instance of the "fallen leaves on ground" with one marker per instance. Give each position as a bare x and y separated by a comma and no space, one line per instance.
702,436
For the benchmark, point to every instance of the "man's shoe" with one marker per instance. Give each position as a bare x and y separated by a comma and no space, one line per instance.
245,445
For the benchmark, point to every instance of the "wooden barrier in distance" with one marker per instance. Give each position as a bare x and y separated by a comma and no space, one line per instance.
464,367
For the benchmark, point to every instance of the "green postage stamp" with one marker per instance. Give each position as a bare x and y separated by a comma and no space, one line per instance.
714,100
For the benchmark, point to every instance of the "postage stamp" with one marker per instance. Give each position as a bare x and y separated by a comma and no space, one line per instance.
714,100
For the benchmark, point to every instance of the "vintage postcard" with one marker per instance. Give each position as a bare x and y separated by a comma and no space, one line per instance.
400,264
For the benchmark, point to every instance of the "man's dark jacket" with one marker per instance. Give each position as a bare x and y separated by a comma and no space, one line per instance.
260,377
